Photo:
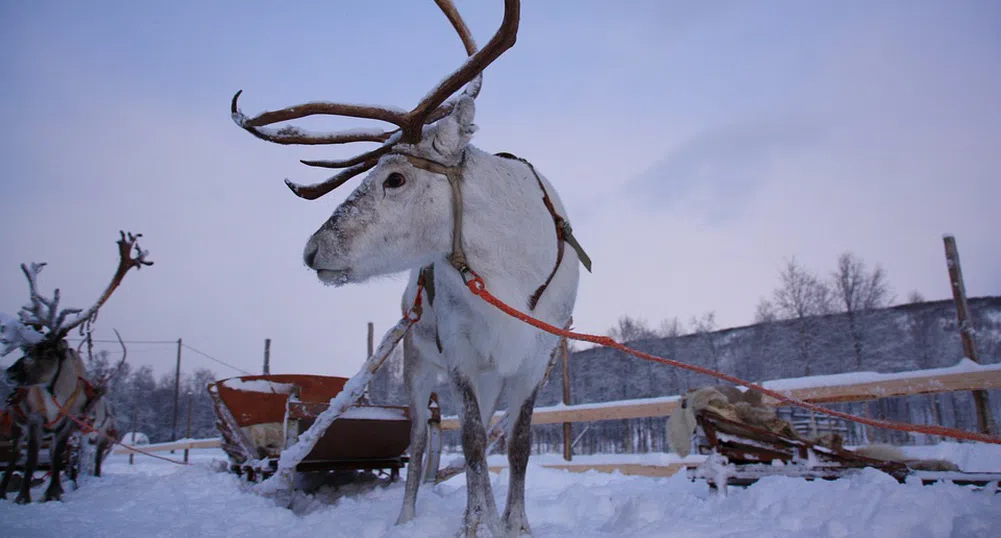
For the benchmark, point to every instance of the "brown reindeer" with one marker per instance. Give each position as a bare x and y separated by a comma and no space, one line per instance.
50,376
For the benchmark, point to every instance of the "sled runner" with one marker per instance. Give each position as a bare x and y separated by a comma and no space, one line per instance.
261,415
740,454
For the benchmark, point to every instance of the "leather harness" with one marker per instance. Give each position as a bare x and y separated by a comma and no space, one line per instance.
457,258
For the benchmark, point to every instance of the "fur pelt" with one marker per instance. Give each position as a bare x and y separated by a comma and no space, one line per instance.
885,452
747,407
730,403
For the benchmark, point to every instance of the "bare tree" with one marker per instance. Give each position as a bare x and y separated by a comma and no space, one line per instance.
858,291
802,296
915,297
671,328
629,329
705,328
765,312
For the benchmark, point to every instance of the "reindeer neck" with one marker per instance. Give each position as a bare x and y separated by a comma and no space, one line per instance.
510,228
55,378
65,381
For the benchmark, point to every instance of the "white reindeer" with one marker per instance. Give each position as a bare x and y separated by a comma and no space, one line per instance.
432,200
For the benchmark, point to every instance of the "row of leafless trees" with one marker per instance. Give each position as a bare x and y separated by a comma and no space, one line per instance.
852,288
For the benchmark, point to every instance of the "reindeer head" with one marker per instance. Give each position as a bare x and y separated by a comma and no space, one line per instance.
41,330
39,363
400,216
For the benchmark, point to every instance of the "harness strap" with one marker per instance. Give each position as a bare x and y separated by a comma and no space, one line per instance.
14,400
458,257
426,280
454,174
64,408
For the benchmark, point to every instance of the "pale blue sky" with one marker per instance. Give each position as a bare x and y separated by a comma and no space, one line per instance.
696,145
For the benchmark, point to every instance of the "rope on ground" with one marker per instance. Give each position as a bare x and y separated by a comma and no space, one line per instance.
479,289
86,428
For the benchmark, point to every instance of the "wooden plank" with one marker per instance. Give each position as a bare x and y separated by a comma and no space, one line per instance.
214,442
962,381
988,378
633,469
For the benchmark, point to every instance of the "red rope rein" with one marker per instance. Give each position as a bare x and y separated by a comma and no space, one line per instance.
86,428
479,289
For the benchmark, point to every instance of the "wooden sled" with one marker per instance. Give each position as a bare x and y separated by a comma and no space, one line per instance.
258,416
740,454
71,464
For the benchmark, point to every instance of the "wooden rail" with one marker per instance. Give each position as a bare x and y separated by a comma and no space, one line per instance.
214,442
841,389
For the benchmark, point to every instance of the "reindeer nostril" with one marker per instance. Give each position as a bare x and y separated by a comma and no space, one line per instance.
309,255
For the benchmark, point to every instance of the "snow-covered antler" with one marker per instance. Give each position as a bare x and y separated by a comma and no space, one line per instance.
410,124
42,312
126,261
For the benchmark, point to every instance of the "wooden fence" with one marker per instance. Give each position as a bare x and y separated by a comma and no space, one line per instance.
883,386
824,390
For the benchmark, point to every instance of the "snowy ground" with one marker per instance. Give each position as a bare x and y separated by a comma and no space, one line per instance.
155,498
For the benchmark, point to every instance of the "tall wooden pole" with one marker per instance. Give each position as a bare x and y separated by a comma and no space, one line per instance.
177,392
371,351
984,419
135,408
267,356
567,427
371,338
187,430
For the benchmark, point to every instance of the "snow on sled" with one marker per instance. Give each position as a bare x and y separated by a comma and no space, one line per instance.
739,454
261,415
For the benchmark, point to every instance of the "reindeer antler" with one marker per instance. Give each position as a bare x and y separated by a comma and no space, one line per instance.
125,262
410,124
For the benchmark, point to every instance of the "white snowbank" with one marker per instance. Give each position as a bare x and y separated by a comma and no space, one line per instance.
155,498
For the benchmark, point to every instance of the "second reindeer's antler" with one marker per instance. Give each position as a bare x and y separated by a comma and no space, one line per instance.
44,313
409,123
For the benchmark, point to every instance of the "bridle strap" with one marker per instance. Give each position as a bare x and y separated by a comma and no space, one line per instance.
558,221
454,174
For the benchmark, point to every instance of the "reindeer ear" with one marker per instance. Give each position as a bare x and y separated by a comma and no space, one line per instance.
453,132
464,113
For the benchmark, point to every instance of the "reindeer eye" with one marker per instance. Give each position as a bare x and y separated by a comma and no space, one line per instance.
394,181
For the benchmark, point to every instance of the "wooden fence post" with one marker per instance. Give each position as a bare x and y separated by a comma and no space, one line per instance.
567,426
132,455
187,430
984,419
177,393
267,357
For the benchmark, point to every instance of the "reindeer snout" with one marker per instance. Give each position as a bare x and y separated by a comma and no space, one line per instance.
309,253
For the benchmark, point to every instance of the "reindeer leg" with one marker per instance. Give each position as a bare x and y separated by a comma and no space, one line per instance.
73,469
518,450
15,452
419,389
55,490
31,460
480,505
102,445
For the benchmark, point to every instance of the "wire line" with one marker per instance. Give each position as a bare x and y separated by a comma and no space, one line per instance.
210,357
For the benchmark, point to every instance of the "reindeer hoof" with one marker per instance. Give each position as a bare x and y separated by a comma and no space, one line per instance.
23,499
